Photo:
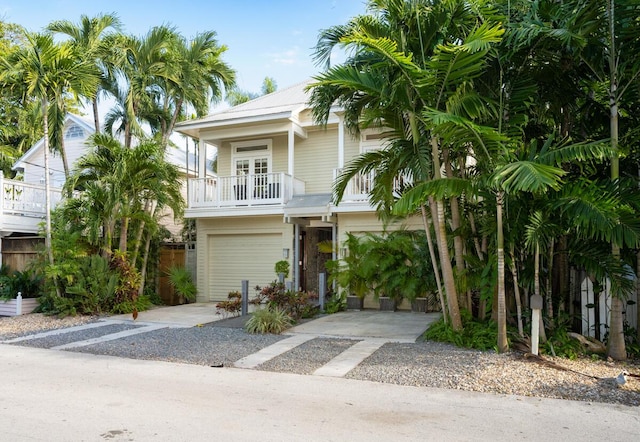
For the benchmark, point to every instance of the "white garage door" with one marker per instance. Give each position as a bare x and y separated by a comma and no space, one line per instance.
233,258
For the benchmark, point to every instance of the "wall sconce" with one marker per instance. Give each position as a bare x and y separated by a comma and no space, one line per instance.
285,253
343,252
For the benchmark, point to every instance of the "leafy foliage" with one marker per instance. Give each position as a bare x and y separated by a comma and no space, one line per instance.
180,279
295,304
480,335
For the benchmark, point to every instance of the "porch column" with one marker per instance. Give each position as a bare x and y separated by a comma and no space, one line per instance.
290,146
202,158
296,257
340,141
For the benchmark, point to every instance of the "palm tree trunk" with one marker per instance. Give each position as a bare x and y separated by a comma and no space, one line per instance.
616,348
445,260
145,259
548,293
503,343
48,240
516,291
124,231
458,244
96,116
434,262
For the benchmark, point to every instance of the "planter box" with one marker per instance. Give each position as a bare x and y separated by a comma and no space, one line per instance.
15,307
387,304
419,305
355,303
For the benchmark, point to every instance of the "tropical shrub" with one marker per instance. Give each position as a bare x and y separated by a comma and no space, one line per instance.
181,281
27,282
269,320
295,304
480,335
232,306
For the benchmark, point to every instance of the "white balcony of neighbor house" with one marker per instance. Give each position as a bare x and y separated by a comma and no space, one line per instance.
247,194
23,205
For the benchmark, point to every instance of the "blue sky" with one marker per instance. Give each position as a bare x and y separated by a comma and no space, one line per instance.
265,37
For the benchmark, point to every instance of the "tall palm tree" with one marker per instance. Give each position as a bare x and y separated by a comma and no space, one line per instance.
409,58
197,77
45,70
88,36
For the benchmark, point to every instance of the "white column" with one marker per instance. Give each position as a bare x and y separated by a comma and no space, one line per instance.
340,141
290,146
202,158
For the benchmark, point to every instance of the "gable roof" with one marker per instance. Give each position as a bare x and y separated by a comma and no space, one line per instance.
70,118
281,104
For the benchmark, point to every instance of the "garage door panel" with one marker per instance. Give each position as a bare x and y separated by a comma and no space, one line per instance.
233,258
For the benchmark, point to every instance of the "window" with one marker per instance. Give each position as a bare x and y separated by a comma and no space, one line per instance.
251,157
74,131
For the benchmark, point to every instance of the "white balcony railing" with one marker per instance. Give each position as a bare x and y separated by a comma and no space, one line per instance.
24,199
243,190
359,187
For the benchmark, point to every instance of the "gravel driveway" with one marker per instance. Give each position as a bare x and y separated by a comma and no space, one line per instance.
427,364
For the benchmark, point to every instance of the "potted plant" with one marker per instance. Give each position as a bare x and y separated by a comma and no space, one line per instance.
349,273
282,269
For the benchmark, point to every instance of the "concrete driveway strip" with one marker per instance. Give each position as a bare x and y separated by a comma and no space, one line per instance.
65,396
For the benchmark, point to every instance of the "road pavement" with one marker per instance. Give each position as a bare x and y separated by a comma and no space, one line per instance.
48,395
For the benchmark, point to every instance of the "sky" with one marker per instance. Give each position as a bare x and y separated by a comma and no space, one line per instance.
271,38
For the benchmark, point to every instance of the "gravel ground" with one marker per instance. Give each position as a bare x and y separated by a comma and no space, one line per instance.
426,364
197,345
308,357
80,335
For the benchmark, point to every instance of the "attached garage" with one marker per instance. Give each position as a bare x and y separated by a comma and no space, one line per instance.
234,257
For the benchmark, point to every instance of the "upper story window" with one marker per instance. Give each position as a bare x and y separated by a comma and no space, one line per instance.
251,157
74,131
371,139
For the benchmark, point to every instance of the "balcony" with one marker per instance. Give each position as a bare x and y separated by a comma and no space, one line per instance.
259,190
23,205
359,187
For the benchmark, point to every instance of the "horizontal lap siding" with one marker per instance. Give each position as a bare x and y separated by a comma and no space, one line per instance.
315,159
234,258
233,249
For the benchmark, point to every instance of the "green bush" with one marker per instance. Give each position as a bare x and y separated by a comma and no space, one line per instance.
28,283
268,321
335,303
141,303
181,281
481,335
295,304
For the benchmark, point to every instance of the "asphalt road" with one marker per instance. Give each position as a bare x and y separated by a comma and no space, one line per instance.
48,395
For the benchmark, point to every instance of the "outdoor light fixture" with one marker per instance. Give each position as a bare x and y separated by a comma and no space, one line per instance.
285,253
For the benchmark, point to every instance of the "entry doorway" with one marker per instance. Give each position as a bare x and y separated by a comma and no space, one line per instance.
312,261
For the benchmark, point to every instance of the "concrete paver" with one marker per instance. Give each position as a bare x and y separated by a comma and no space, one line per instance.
350,358
109,337
393,326
186,315
270,352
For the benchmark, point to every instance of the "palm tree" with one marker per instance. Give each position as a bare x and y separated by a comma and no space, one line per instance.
88,38
412,61
237,96
45,70
197,77
126,179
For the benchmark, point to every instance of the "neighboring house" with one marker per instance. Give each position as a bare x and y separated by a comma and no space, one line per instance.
271,199
23,200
